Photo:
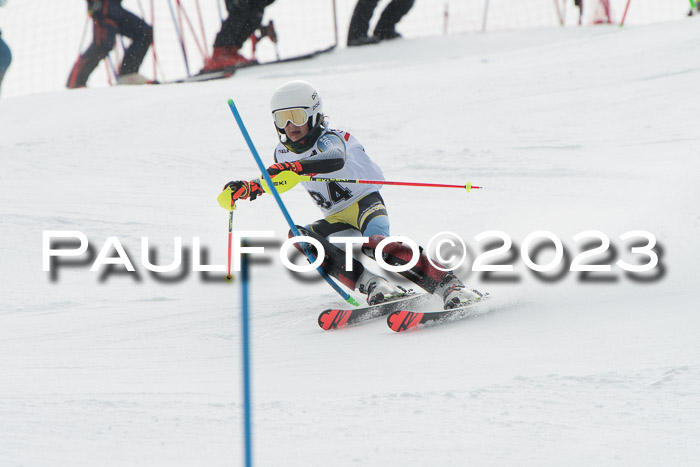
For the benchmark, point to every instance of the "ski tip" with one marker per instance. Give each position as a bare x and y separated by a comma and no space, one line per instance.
230,102
403,320
333,319
323,319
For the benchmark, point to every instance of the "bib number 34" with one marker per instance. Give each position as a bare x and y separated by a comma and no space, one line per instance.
336,194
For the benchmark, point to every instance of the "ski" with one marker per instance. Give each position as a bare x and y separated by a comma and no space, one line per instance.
337,318
228,72
206,76
288,59
403,320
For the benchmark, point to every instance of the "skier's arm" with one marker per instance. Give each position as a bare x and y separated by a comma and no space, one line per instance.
329,158
325,162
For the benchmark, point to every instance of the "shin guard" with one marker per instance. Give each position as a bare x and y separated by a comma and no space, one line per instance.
423,274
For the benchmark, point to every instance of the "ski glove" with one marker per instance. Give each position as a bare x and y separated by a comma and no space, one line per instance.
282,166
236,190
244,190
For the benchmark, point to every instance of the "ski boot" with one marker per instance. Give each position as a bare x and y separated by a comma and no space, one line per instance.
386,34
224,58
378,289
133,79
361,40
455,294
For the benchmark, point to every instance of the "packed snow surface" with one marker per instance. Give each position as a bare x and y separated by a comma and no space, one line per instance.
568,130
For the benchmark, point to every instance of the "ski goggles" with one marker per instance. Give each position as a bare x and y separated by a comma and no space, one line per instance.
297,116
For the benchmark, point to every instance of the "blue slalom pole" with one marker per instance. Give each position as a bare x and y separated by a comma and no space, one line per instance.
273,189
248,442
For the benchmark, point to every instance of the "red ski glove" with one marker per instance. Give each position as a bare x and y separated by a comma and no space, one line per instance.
244,190
282,166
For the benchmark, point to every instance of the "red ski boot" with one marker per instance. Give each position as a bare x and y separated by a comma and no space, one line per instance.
224,58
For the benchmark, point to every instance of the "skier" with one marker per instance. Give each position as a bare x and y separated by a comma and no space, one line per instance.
5,54
109,19
244,17
308,146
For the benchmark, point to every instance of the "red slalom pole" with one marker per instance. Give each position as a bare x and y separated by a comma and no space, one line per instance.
624,15
182,12
561,18
201,26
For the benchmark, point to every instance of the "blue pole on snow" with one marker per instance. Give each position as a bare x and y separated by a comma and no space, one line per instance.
246,366
273,189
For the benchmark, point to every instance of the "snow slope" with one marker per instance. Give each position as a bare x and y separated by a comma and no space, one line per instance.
123,368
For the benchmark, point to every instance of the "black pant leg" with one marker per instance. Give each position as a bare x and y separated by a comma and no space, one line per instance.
141,35
244,17
361,16
334,257
391,15
104,32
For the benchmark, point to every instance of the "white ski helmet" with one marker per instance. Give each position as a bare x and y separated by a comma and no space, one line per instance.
296,95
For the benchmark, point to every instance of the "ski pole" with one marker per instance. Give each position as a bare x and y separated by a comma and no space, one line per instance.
287,180
230,233
468,186
347,297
